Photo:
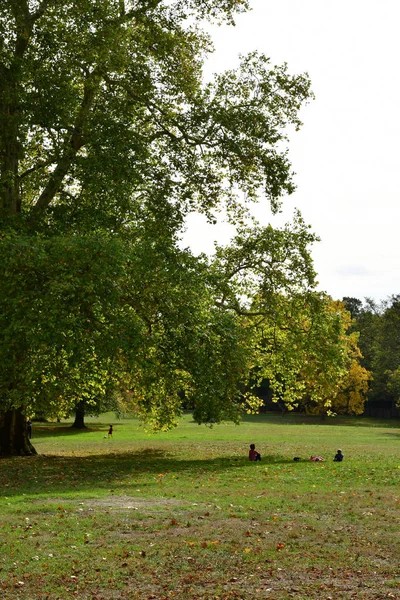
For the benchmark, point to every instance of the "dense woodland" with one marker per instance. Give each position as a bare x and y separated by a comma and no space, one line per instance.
378,328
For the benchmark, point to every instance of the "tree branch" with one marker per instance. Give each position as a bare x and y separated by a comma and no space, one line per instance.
25,22
72,145
40,11
35,168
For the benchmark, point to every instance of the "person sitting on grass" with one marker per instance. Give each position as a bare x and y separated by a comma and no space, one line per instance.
253,454
338,456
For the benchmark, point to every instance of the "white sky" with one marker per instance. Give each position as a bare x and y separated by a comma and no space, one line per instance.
346,156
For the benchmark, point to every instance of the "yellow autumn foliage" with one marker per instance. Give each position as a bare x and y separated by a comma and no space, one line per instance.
351,397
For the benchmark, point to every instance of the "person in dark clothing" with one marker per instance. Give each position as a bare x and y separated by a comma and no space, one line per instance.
253,454
338,456
29,428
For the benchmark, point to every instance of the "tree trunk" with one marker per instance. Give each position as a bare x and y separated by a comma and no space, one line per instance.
14,440
79,422
10,202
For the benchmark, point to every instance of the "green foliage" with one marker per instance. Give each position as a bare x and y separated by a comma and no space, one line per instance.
315,353
387,347
62,319
378,326
104,110
84,315
108,138
301,341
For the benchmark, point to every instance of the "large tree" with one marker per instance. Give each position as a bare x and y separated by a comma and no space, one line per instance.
310,357
108,138
85,317
102,108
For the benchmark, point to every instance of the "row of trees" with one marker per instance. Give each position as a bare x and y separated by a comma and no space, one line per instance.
108,139
378,328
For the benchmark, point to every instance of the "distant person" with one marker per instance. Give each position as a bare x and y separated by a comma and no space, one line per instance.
338,456
29,428
253,454
110,431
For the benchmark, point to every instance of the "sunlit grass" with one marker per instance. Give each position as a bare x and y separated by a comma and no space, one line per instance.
184,514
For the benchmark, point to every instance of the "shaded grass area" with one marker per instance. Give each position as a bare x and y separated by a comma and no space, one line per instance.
185,515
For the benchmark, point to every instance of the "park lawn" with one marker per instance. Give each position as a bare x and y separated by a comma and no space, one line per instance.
184,514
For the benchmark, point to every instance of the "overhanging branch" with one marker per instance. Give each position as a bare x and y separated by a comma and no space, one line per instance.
75,142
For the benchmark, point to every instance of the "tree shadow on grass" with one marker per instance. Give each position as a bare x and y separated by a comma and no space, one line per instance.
64,475
41,430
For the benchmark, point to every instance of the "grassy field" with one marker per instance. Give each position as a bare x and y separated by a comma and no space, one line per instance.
185,515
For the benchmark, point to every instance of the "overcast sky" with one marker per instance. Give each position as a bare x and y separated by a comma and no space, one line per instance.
346,156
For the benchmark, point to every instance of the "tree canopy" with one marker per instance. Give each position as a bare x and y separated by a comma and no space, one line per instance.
109,137
378,327
103,109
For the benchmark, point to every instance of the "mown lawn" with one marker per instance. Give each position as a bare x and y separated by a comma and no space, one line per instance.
185,515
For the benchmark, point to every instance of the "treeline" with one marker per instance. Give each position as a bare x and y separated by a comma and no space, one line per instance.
378,328
371,383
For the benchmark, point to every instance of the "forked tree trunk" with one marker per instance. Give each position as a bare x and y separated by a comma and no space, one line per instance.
14,439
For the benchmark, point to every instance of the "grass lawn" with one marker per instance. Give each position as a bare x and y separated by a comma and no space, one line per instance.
184,514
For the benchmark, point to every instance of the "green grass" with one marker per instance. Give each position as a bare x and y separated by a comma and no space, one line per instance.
184,514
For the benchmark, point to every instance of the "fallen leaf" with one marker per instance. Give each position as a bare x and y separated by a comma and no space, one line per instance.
280,545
